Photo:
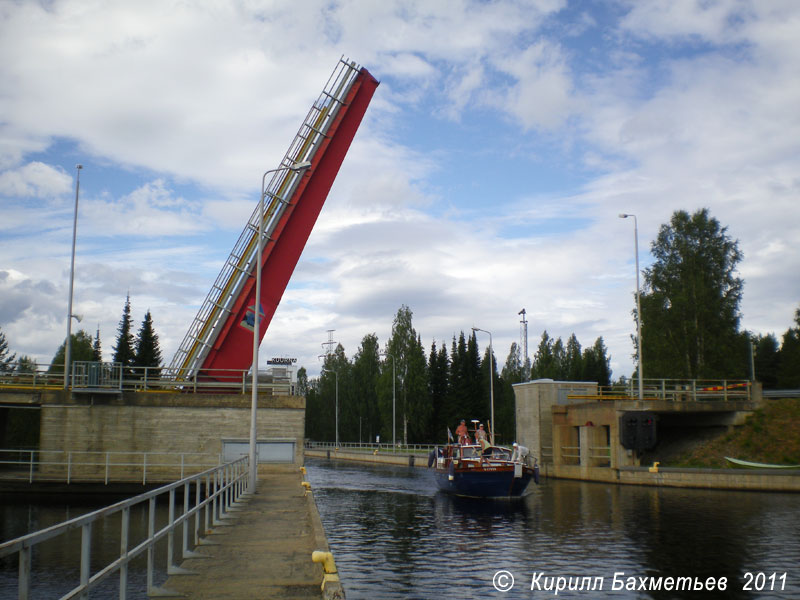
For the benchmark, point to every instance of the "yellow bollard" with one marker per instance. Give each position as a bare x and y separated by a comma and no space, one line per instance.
328,567
654,468
303,470
307,487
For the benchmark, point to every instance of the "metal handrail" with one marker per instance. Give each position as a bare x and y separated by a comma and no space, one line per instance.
98,377
677,390
371,447
73,465
224,485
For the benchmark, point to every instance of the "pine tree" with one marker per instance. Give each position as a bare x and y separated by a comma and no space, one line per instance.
148,352
123,350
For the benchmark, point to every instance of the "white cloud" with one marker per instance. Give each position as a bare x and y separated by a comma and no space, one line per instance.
35,180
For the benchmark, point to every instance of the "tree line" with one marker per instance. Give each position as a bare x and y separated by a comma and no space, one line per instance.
141,350
417,395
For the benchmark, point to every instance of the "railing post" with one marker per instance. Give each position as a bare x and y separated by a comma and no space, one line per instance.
694,390
30,475
69,466
185,520
182,455
214,500
24,586
144,468
151,548
171,533
196,511
724,390
106,468
86,554
123,549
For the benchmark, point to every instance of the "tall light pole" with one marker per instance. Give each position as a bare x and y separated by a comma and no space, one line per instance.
301,166
68,343
638,301
491,381
394,378
336,405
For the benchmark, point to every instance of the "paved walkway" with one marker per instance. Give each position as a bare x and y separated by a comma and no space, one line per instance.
263,552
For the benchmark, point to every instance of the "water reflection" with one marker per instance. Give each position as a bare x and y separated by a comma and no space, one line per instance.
394,536
56,562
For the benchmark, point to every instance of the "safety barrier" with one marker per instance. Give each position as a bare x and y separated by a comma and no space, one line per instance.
675,390
371,448
224,485
97,377
84,466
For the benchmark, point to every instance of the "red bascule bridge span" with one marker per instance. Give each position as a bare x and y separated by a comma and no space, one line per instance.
220,338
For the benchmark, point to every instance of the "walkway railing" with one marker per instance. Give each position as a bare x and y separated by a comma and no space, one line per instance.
223,486
99,377
365,447
85,467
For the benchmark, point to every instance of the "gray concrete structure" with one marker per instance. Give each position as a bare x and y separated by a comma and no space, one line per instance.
534,401
166,423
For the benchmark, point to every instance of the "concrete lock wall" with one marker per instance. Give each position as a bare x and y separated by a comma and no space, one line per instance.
534,403
164,426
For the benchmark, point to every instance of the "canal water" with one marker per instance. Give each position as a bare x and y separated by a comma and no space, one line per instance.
394,536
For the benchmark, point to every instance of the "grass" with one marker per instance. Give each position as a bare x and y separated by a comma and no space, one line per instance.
771,435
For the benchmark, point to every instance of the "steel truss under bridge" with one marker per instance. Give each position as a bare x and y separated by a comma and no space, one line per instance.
220,337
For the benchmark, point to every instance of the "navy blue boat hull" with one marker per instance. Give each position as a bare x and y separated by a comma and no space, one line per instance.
479,483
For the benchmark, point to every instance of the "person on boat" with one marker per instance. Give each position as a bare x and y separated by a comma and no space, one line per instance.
480,436
462,434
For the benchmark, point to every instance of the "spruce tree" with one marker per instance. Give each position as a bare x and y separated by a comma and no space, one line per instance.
97,351
148,352
123,350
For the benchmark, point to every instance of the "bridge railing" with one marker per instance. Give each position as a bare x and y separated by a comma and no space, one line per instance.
107,467
99,377
679,390
221,486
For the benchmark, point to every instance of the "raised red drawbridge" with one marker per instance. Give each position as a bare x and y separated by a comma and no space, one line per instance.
221,335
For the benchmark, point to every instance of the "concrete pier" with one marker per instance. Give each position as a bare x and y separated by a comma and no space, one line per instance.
263,551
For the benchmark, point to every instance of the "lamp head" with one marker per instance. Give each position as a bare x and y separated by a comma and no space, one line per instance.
623,216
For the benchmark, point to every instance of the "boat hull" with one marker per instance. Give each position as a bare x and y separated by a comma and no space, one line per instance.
498,482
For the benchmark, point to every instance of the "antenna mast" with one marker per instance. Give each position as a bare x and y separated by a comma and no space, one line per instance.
523,333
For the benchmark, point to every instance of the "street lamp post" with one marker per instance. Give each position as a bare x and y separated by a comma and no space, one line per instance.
638,301
394,378
301,166
68,343
491,382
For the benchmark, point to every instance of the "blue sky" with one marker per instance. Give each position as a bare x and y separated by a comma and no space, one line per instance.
487,176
